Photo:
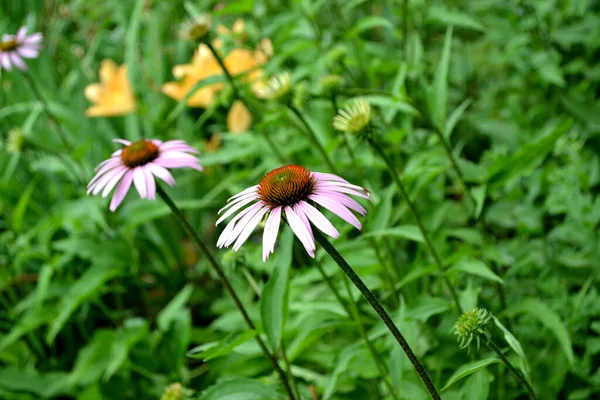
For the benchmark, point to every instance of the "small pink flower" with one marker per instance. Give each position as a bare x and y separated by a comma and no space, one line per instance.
14,48
296,193
139,162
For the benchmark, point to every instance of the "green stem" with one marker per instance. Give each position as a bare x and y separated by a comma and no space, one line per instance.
225,70
376,305
413,210
288,366
383,371
58,126
494,347
313,138
59,130
187,227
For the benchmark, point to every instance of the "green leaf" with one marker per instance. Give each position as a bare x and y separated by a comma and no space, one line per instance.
475,267
514,344
547,317
171,310
427,307
19,211
468,369
236,7
438,93
224,347
453,17
479,193
528,157
86,287
410,232
274,300
455,117
240,389
370,22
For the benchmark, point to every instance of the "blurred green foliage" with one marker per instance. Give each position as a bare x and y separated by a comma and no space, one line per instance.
100,305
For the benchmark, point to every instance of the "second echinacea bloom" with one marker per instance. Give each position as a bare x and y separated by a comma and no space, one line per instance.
14,48
113,95
296,193
140,163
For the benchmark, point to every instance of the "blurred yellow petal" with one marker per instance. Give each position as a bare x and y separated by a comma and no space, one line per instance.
238,118
113,95
238,26
203,97
108,69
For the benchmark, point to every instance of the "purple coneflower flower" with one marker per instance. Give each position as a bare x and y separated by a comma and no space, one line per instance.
139,162
295,192
14,48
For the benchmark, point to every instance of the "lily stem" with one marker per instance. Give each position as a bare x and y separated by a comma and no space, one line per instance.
376,305
187,227
417,217
237,94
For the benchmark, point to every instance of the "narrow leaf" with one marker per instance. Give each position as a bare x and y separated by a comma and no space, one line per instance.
468,369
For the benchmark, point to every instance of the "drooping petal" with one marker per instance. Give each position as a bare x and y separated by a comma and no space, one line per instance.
238,200
108,165
250,225
162,173
230,227
21,33
140,182
116,176
319,219
256,208
122,141
341,189
150,183
342,199
234,209
243,192
17,62
121,190
5,61
301,231
337,209
103,181
271,231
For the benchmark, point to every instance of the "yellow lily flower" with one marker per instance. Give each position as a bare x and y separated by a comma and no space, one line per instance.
113,95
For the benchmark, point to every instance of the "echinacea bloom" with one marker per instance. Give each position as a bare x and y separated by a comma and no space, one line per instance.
140,162
296,193
113,95
276,88
14,48
243,63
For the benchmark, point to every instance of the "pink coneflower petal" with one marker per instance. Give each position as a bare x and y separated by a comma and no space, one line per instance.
270,233
301,231
21,33
137,163
295,192
5,61
139,180
337,209
162,173
121,190
16,61
36,38
319,219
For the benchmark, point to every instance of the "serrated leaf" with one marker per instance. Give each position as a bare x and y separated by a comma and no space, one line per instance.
468,369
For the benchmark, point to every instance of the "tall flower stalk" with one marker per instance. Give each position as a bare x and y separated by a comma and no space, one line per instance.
356,119
293,193
139,164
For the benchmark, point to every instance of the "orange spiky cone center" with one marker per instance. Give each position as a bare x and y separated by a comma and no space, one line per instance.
139,153
286,186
